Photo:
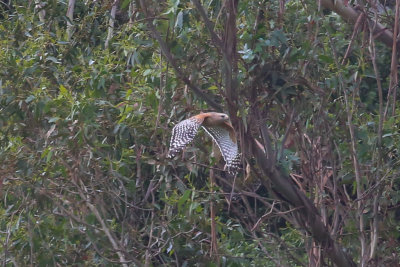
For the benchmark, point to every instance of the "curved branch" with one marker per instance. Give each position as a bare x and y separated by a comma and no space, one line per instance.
307,213
216,39
351,15
227,47
167,53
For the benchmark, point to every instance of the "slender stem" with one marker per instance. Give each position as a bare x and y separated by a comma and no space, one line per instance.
353,145
70,16
382,115
111,22
393,68
214,242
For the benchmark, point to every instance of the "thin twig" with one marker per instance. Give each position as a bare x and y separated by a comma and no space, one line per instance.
357,25
353,144
289,126
393,67
263,217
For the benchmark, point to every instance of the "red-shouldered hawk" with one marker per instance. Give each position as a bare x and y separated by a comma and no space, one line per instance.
218,126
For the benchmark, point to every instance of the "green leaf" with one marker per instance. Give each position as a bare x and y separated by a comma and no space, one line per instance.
30,98
125,4
183,199
49,155
53,119
326,59
147,72
53,59
179,20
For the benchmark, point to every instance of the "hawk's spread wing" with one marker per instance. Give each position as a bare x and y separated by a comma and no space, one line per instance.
183,133
224,136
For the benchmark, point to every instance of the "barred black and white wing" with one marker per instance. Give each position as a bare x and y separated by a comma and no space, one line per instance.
226,141
182,134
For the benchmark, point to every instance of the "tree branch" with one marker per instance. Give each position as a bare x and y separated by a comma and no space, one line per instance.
167,53
210,26
307,213
393,68
111,23
351,15
70,16
227,47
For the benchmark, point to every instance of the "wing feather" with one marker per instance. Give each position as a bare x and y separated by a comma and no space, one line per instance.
226,144
183,133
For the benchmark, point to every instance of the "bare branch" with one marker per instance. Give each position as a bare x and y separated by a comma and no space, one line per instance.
210,26
70,16
39,6
357,26
307,212
172,61
382,115
353,146
111,22
351,15
393,68
287,133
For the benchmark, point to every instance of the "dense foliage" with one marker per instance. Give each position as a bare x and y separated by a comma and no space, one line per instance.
87,106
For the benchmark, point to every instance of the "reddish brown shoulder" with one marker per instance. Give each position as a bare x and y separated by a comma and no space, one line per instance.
199,118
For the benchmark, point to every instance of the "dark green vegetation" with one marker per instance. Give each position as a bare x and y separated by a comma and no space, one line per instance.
86,112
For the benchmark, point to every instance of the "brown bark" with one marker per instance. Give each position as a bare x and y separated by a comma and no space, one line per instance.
350,15
307,214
